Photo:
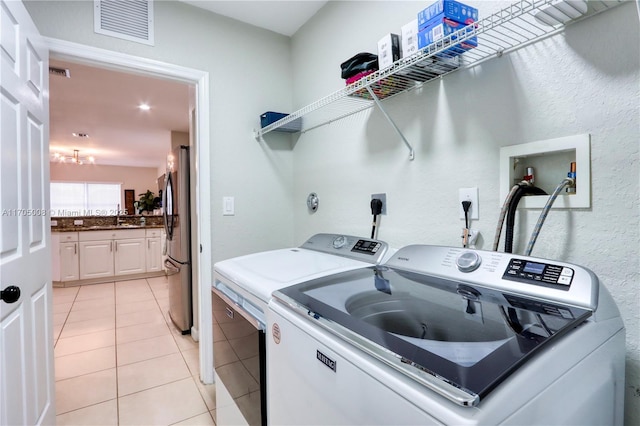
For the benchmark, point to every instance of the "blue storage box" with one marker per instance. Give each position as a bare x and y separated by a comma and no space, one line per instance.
271,117
441,27
451,9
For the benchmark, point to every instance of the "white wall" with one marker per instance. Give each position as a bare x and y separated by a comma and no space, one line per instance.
140,179
584,80
250,72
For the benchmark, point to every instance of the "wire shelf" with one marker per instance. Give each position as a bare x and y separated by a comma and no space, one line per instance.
509,29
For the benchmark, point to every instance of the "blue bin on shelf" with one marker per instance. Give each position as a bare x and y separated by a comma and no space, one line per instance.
271,117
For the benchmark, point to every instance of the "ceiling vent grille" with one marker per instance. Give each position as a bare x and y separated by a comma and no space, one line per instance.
127,19
61,72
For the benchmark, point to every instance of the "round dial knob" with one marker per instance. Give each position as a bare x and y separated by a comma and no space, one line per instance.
468,261
339,242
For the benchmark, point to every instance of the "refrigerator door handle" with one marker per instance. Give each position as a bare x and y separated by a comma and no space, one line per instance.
171,267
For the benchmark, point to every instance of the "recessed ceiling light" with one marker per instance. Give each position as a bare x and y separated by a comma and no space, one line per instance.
144,107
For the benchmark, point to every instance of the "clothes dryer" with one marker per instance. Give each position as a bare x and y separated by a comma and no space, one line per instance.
240,293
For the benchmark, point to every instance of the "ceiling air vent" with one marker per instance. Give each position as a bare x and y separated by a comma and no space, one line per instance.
60,72
127,19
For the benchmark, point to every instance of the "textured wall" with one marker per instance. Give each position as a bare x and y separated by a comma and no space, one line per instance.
584,80
249,72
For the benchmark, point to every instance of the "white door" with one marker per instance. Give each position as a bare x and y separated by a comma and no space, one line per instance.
27,393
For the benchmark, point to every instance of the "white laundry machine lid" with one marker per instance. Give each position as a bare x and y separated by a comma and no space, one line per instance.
322,254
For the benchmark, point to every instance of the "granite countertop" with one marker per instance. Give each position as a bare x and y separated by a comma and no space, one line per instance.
103,223
83,228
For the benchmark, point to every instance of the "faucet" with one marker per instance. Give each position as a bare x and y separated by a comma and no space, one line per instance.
118,220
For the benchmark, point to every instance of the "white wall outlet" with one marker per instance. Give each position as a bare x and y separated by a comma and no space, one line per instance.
469,194
78,222
228,206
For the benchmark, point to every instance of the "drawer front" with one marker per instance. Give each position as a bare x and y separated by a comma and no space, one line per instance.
123,234
154,233
111,234
97,235
66,237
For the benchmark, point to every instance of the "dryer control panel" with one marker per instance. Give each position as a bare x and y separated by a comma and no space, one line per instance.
356,248
538,273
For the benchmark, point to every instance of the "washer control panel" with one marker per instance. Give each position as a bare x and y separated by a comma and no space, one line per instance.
538,273
468,261
367,247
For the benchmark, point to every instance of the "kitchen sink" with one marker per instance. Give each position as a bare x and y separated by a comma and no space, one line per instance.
405,314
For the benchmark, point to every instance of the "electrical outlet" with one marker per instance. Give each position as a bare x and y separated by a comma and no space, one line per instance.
469,194
383,198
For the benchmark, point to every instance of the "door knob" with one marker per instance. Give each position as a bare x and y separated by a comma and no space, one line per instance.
10,294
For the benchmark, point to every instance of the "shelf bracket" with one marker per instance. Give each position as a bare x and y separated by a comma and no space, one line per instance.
412,154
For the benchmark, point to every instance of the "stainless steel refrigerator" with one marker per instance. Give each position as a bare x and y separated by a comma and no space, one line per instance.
177,217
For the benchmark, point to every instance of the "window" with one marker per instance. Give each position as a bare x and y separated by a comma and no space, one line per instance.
85,199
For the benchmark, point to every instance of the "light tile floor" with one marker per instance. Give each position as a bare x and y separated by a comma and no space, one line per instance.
120,361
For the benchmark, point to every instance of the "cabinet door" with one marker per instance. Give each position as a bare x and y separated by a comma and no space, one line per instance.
69,262
130,256
96,259
154,254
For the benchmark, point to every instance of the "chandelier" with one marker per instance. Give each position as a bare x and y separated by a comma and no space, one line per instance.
76,158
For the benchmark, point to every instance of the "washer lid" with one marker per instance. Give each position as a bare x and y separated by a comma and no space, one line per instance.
262,273
454,336
322,254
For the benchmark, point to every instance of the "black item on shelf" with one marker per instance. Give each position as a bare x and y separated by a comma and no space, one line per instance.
359,63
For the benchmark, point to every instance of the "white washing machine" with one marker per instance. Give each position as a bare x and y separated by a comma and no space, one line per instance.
241,291
441,335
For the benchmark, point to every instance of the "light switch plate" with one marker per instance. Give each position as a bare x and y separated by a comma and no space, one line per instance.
228,206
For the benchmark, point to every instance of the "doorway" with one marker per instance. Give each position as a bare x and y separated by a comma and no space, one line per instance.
201,204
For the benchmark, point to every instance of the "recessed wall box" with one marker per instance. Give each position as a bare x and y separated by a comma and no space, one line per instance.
551,160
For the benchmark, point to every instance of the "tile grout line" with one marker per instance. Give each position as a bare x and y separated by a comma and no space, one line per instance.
115,338
66,318
181,352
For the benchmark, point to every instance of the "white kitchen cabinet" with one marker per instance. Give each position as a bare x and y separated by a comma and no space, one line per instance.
155,238
129,256
154,254
98,255
69,261
65,256
96,259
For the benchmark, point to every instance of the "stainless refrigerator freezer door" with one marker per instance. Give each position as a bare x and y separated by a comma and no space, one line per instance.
177,206
180,309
